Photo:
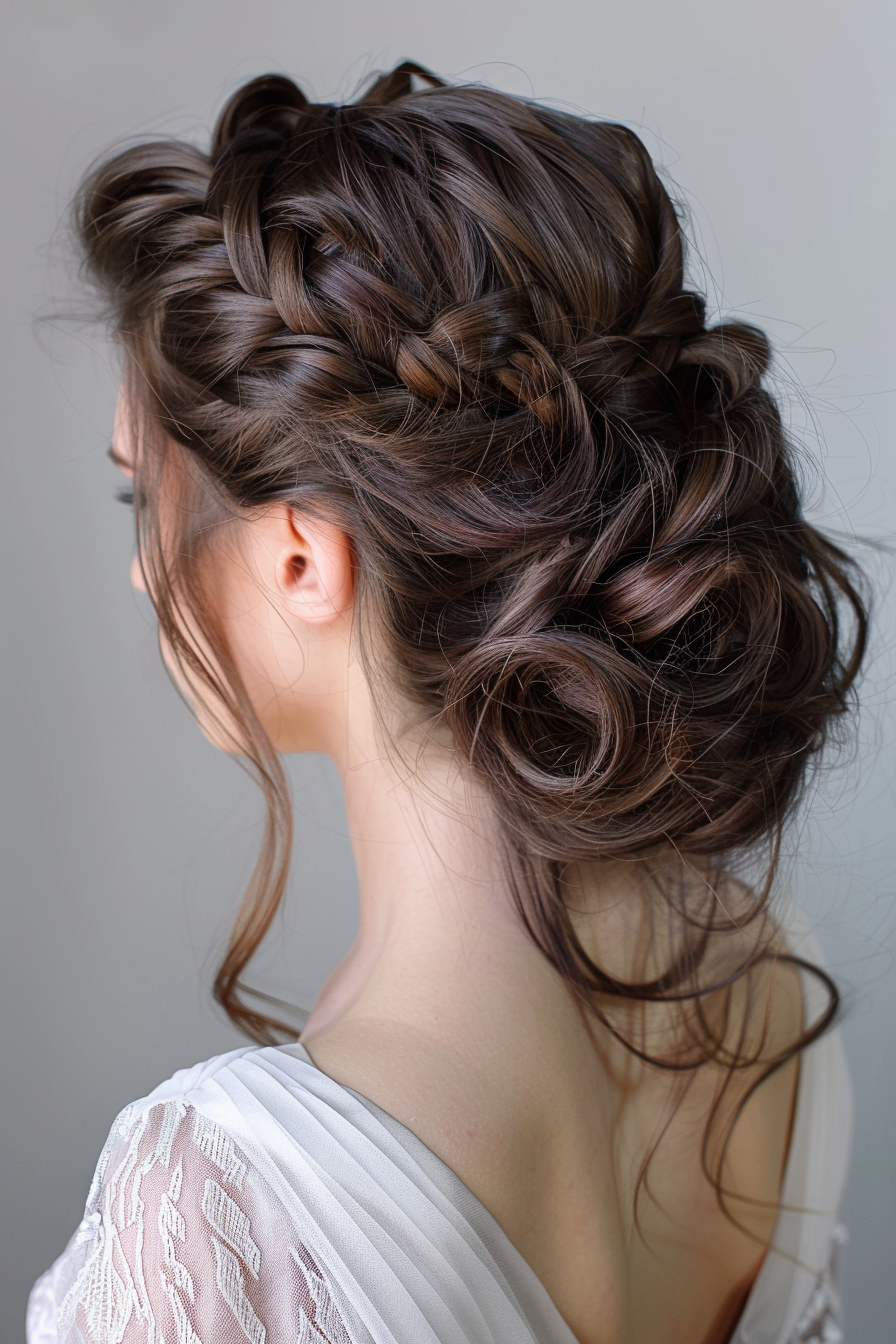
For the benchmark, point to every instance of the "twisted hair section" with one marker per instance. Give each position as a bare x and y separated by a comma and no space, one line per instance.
458,322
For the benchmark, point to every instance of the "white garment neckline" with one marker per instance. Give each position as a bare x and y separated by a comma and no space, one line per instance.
311,1173
399,1129
811,1187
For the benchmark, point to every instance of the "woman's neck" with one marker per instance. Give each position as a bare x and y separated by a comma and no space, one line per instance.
435,900
441,949
442,954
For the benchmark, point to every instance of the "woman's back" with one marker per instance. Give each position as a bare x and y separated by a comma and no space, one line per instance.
254,1197
505,1085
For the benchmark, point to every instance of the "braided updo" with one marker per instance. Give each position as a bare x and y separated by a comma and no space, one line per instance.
456,321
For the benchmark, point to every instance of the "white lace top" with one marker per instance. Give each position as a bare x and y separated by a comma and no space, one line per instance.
252,1198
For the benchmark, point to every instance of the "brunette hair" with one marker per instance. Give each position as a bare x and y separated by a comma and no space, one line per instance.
456,321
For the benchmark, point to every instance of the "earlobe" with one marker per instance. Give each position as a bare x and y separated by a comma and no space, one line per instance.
315,568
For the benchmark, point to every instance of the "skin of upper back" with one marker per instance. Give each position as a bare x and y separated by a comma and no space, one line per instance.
491,1066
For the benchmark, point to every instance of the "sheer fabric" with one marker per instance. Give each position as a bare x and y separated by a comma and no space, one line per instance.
252,1198
170,1248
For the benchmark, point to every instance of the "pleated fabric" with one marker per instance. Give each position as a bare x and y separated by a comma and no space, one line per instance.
253,1198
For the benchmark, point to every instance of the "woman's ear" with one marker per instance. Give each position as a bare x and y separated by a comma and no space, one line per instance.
312,563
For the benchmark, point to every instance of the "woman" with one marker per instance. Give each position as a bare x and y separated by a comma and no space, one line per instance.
439,469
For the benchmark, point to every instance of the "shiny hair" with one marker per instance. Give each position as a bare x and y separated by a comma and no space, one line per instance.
456,322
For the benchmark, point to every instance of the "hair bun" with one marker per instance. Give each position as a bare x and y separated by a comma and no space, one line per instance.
269,103
734,354
457,322
543,716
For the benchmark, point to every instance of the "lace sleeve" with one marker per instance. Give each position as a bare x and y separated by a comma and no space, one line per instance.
822,1320
181,1243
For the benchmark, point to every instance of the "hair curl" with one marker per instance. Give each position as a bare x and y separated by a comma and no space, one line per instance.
457,321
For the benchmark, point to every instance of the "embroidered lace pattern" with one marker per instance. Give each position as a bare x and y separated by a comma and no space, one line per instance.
822,1320
181,1243
333,1224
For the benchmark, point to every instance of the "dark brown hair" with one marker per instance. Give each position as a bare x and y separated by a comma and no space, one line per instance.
456,322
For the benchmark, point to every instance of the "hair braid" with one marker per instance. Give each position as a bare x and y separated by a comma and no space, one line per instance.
458,322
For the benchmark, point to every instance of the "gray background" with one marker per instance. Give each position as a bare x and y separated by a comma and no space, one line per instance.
127,838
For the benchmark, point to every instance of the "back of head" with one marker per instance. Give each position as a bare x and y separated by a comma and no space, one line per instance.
457,322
